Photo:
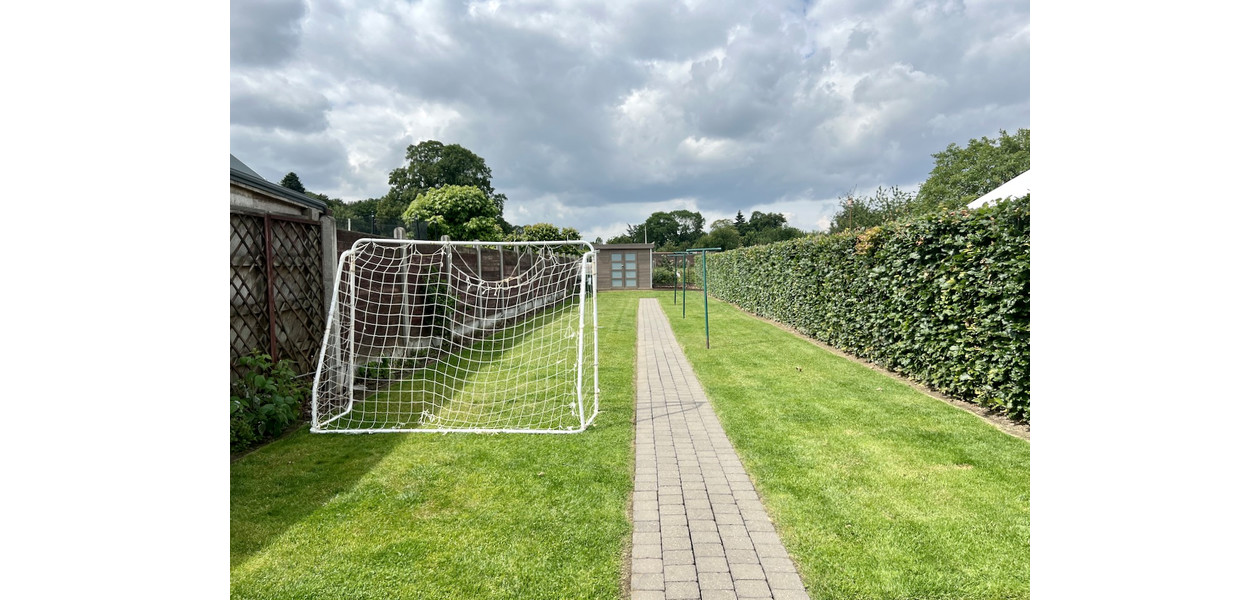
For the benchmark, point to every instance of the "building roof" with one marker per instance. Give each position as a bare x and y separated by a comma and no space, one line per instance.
245,176
624,246
1018,186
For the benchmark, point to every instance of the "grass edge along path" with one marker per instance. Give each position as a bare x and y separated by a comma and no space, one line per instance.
445,515
877,490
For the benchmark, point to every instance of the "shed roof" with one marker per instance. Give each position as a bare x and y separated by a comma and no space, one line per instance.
624,246
242,175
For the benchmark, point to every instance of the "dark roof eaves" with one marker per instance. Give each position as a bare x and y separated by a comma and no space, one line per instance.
247,179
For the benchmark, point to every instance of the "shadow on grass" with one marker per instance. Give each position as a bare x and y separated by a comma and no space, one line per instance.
282,483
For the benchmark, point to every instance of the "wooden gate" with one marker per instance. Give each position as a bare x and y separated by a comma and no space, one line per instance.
277,289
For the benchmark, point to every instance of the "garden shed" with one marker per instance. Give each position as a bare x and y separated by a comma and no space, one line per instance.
623,267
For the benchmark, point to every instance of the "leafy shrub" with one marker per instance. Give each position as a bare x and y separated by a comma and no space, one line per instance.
942,299
265,401
663,277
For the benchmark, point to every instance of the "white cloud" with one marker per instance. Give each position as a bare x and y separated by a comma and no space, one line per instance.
592,115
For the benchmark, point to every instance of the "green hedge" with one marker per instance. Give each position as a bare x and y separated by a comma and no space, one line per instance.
942,299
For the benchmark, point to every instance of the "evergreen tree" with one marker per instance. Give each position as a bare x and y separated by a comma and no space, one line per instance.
292,182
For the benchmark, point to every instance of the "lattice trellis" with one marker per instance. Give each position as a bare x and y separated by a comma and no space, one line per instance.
297,283
275,272
249,324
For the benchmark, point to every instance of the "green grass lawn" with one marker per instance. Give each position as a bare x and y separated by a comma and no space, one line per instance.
877,490
445,515
508,381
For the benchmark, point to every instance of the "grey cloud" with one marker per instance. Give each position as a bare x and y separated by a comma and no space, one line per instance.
278,103
318,159
800,103
265,32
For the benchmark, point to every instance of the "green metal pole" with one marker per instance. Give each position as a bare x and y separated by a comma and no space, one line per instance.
675,280
704,259
684,285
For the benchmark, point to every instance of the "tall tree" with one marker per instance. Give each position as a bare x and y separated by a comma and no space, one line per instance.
292,182
964,174
722,234
741,224
432,164
760,221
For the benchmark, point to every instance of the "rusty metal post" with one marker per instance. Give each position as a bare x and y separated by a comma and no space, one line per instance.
269,257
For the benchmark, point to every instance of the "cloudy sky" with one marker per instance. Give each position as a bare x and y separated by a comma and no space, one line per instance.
594,115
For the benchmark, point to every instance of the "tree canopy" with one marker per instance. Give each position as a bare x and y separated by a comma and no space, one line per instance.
292,182
964,174
723,234
860,212
544,232
432,164
668,230
463,212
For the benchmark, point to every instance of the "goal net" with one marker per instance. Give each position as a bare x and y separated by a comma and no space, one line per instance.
460,336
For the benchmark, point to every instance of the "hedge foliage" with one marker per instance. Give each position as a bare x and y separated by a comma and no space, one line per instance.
942,299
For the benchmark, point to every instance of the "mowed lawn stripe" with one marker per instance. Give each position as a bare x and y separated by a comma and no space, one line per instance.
878,490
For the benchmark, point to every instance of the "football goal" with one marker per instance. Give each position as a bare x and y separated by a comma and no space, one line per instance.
460,336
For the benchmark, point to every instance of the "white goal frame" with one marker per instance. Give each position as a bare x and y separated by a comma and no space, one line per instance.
425,306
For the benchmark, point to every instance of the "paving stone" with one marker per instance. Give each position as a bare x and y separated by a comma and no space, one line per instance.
647,595
647,526
676,543
679,557
789,594
717,580
646,565
675,531
682,590
717,594
700,529
680,573
646,538
653,581
705,537
750,588
742,556
784,581
668,520
709,550
645,551
778,565
747,571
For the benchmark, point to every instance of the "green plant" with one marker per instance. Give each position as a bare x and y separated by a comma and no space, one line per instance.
664,277
377,369
265,401
943,298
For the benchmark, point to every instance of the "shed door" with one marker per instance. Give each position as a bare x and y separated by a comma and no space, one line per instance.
625,272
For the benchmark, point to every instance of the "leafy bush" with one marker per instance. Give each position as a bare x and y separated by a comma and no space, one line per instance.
942,299
663,277
265,401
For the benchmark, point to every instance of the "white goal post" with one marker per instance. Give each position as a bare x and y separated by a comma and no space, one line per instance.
485,337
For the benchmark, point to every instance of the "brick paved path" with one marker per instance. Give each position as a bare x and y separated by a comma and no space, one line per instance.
700,530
